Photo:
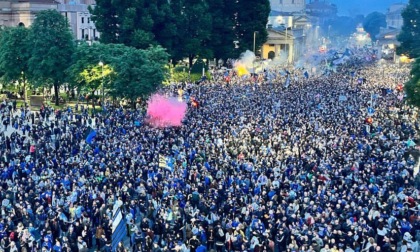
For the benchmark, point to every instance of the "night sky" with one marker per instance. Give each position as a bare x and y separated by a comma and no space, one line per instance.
363,6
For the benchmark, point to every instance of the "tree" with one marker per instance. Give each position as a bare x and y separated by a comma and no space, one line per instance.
165,28
91,67
222,35
106,18
193,29
51,49
373,23
138,72
138,23
251,16
412,87
410,31
14,56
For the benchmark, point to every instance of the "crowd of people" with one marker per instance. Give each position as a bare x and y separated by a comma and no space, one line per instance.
256,166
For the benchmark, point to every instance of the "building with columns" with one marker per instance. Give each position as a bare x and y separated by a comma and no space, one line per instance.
286,28
23,12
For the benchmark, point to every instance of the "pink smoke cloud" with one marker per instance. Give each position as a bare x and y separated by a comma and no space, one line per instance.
165,112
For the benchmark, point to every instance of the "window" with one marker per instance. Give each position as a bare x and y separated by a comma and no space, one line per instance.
280,1
94,33
88,20
83,20
83,33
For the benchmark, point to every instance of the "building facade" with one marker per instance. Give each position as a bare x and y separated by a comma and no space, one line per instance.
23,12
79,18
387,38
293,6
286,27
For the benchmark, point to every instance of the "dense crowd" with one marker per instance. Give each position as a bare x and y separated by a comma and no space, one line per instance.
255,167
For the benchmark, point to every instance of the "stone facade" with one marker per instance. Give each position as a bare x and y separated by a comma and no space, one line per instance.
23,12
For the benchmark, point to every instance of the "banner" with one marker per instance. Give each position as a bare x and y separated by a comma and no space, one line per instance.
90,137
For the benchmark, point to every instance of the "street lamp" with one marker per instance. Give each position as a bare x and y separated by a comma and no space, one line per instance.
253,67
101,64
255,36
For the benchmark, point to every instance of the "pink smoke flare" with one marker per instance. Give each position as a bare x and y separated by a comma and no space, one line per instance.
165,112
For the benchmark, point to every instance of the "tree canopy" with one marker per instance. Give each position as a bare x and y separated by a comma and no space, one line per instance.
139,72
89,66
251,16
410,46
14,55
410,32
412,87
126,72
186,28
373,23
52,47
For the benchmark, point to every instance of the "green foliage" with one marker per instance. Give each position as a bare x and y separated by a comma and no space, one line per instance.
180,76
186,28
138,72
194,29
134,23
197,68
222,35
52,47
85,73
373,22
252,16
14,54
127,72
105,16
410,32
412,87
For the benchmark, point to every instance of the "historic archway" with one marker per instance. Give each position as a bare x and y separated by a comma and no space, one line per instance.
271,55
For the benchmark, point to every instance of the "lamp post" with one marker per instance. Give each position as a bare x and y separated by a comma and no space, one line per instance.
101,64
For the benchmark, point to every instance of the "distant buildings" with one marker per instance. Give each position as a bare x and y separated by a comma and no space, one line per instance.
387,38
321,11
23,12
294,27
286,30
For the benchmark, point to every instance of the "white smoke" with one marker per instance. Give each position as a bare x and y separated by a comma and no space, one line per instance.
246,59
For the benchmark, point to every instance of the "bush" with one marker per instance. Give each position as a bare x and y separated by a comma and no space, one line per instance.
180,69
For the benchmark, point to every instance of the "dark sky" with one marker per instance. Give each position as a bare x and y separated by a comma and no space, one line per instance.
352,7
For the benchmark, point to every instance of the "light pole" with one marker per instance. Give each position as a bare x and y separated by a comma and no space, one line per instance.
102,82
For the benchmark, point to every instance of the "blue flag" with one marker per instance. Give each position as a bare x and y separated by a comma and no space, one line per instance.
287,82
90,137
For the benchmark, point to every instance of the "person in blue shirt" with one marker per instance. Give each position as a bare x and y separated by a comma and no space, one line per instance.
201,248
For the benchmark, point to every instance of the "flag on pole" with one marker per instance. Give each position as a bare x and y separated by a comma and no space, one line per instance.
287,82
370,111
90,137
